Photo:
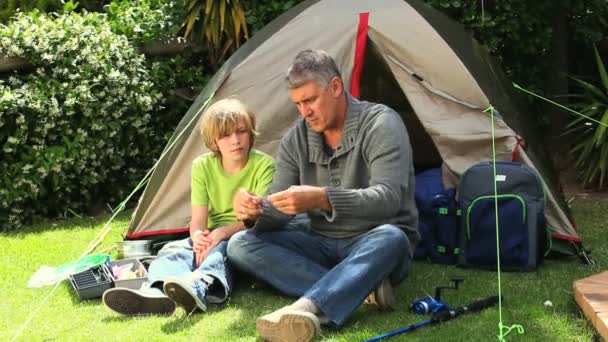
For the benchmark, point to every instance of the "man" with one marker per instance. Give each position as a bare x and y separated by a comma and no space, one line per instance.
348,165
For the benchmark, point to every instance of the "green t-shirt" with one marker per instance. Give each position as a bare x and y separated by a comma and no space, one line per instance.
215,188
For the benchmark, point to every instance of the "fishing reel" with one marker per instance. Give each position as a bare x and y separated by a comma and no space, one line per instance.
428,304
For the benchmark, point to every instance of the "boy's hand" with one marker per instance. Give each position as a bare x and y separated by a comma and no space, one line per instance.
214,237
247,205
200,240
300,198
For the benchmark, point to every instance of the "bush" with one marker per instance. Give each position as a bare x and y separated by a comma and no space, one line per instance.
145,20
260,13
8,8
78,130
587,134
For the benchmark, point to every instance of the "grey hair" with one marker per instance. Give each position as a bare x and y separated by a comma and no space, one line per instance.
312,65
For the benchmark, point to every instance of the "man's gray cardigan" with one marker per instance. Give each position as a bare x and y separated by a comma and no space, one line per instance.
369,178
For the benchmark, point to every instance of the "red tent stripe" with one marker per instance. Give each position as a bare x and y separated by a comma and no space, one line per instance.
566,237
158,232
359,54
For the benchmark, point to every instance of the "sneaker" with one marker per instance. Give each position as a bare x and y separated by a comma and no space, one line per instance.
383,296
146,301
184,295
287,325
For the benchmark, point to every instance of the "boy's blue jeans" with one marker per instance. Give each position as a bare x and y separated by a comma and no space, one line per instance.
176,259
336,274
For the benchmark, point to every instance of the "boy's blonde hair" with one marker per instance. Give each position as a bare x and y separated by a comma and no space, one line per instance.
221,119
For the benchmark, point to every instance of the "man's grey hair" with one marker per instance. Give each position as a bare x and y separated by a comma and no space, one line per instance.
312,65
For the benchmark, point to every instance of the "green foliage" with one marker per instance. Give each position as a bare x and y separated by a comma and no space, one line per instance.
220,25
590,137
179,79
8,8
78,130
145,20
260,13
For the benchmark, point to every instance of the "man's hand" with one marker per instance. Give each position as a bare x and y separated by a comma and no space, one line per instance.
247,205
300,198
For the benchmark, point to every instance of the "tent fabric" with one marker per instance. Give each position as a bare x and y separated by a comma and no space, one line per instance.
416,60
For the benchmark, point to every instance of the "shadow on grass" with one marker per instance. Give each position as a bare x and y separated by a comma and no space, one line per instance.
181,323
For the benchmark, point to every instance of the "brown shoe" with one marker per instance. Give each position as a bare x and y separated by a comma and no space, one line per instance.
288,325
383,296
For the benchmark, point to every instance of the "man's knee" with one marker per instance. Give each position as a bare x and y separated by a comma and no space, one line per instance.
393,238
236,249
391,233
396,242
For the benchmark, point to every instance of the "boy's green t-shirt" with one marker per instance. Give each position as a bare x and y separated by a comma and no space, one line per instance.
215,188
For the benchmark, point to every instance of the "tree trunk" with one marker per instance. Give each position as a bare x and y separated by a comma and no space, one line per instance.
556,83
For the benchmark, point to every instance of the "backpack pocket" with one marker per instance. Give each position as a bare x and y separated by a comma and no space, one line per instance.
445,229
480,230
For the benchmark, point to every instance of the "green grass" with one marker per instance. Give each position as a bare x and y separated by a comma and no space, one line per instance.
64,317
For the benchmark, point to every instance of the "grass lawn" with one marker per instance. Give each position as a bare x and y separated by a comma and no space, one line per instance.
64,317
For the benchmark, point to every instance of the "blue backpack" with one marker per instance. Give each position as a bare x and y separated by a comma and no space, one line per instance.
437,220
521,217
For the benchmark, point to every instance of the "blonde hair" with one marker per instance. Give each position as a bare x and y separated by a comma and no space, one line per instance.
222,118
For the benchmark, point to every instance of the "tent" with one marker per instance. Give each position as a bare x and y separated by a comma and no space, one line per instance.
401,53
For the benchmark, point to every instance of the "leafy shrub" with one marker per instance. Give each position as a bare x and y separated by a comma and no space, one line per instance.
589,140
8,8
260,13
179,79
145,20
77,130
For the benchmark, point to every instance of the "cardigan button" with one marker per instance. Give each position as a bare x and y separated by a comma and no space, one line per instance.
335,182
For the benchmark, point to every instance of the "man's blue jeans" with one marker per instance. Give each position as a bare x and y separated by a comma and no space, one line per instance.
176,259
336,274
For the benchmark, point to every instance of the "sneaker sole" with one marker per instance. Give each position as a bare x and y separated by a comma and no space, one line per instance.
289,328
183,297
128,302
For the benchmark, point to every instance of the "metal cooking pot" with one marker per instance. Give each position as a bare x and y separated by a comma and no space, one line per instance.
134,248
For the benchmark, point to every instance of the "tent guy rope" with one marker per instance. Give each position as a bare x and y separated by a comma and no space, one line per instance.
501,327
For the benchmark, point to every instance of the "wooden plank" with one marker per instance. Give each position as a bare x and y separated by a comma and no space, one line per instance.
602,324
591,294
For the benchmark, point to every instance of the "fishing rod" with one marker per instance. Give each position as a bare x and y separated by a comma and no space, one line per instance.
443,315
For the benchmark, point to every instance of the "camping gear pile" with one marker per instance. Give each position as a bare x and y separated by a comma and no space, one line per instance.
91,283
462,229
92,274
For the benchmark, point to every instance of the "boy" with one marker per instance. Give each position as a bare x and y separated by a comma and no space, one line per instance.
193,272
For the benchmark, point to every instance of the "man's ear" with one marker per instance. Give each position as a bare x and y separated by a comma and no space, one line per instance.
336,87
